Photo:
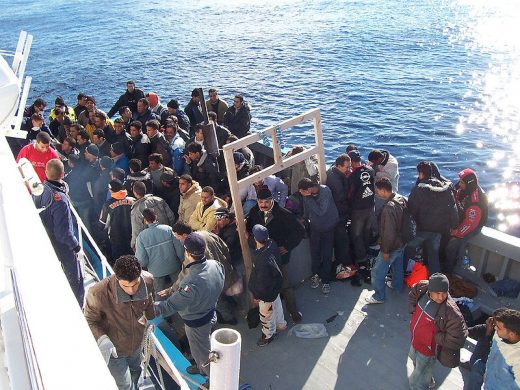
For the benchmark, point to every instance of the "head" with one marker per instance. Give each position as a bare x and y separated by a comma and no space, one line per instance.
376,157
260,234
195,96
117,149
194,247
43,141
155,161
172,106
118,174
54,169
59,102
255,169
185,183
152,98
130,86
350,148
68,145
194,151
82,99
152,128
307,187
91,103
264,199
170,130
37,120
135,165
106,163
231,138
135,129
384,188
239,160
59,114
355,158
223,217
207,196
424,170
91,153
468,180
181,231
142,106
127,271
149,216
98,137
125,113
39,105
168,179
238,100
343,164
115,185
213,95
507,324
83,137
212,116
139,189
438,287
199,134
74,130
119,126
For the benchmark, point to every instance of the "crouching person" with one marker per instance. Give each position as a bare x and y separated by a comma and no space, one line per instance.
116,309
265,283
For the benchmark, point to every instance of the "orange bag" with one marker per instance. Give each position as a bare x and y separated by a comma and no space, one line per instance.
419,272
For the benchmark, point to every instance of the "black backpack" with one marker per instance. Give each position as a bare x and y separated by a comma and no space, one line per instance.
408,228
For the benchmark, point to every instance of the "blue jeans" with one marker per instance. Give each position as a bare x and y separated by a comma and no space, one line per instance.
432,243
423,370
476,375
380,269
126,370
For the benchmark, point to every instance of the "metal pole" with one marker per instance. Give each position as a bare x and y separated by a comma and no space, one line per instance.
225,366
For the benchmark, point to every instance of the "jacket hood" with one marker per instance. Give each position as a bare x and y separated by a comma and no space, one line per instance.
195,187
434,185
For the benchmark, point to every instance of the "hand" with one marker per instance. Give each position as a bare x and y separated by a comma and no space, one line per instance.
164,293
107,348
255,302
282,250
490,326
453,232
187,159
386,256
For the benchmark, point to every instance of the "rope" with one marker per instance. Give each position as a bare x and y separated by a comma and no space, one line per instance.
148,347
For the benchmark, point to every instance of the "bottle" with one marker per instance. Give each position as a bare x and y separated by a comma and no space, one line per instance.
466,262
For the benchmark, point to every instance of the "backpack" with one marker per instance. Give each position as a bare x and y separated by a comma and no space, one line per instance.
408,228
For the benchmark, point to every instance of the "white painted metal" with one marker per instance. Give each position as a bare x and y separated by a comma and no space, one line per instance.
226,368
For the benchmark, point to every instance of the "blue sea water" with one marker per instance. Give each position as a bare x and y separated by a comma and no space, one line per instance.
424,79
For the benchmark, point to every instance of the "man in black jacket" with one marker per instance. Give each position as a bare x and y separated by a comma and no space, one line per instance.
129,99
238,117
194,111
286,231
202,166
433,207
140,146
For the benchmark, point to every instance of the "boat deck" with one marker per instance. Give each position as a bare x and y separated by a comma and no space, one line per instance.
367,346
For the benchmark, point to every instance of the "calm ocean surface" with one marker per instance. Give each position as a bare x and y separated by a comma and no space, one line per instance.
425,79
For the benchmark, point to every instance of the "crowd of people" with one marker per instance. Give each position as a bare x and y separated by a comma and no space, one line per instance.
154,194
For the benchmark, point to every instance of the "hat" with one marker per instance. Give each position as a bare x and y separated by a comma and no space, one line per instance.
106,162
153,99
115,185
354,155
173,104
168,177
93,150
59,101
260,233
468,176
438,283
221,212
264,193
195,244
91,99
118,148
238,157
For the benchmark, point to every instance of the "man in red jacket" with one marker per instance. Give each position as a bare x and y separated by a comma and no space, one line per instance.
472,204
438,330
39,153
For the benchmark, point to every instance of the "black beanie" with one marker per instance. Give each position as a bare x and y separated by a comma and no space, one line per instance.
438,283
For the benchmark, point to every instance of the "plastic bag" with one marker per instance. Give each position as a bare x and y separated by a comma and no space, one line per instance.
309,331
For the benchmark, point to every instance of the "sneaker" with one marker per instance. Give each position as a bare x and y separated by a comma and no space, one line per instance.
193,369
389,284
281,328
263,341
372,301
325,289
343,272
315,281
432,384
296,316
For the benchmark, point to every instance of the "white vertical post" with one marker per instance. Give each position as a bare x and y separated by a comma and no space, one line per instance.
18,53
318,135
225,369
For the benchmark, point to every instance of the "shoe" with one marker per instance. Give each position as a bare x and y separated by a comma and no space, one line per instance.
466,365
193,369
343,272
315,281
432,384
296,316
372,301
281,328
389,284
325,289
263,341
355,281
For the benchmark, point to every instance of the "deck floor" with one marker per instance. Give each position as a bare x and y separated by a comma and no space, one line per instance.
367,346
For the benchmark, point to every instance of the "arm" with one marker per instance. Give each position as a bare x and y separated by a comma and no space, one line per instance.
115,107
179,300
194,220
282,189
471,221
136,219
388,227
94,314
455,333
140,252
61,217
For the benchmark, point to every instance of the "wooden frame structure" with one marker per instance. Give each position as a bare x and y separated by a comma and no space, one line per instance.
280,164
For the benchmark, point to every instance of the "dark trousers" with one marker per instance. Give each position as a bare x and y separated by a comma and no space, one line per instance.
342,244
431,245
454,251
322,245
287,290
72,269
361,231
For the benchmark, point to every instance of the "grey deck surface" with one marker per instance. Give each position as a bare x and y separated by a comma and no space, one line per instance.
367,346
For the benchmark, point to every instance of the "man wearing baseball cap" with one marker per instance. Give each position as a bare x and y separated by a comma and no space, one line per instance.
438,330
196,299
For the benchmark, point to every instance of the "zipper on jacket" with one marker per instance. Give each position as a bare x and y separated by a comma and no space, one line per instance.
420,315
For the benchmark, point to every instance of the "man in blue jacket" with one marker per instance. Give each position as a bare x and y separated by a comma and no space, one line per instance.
323,216
57,220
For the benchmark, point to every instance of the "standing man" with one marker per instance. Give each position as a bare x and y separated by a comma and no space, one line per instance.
39,153
203,218
196,299
202,167
238,117
322,215
216,105
182,118
438,330
194,111
286,232
116,310
129,99
57,220
385,165
472,204
190,196
391,245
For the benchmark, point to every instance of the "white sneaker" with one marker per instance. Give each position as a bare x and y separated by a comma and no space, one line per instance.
325,289
372,301
315,281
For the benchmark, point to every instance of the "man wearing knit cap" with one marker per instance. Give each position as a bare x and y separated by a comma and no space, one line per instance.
196,299
472,205
286,232
438,330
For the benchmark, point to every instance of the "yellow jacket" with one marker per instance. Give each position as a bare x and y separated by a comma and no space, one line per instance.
205,219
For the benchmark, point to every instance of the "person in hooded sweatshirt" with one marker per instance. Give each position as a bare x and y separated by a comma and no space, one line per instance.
157,108
432,205
472,204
